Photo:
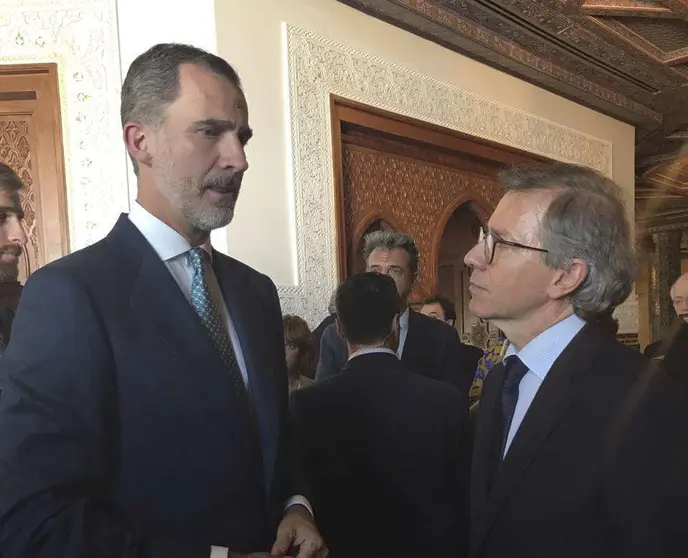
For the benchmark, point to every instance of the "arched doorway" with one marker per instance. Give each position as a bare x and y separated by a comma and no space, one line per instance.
460,235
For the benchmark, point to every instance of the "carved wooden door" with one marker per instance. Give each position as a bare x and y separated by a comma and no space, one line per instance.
31,144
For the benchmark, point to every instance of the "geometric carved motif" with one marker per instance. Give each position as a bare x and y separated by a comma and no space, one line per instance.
417,195
318,68
15,151
81,37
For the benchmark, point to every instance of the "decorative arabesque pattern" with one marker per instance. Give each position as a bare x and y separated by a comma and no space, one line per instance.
318,68
81,37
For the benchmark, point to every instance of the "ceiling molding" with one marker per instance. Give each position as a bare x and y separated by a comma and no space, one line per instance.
625,58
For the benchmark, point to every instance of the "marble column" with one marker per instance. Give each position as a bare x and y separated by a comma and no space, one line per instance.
665,270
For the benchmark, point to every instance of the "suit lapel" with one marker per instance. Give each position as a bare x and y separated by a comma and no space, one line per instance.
157,299
555,396
248,319
413,344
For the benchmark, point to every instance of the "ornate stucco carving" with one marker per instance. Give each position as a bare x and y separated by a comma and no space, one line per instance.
319,67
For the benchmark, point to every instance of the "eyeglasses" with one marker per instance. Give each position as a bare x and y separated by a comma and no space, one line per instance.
491,242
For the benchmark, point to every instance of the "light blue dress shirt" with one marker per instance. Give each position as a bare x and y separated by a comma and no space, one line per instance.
403,331
539,356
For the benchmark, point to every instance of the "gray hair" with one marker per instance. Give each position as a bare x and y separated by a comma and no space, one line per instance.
9,180
152,81
586,220
389,240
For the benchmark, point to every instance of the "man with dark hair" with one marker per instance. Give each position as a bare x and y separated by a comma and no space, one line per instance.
12,240
145,387
580,449
384,448
426,346
439,308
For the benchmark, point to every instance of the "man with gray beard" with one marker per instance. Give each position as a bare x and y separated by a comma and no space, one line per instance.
145,386
12,239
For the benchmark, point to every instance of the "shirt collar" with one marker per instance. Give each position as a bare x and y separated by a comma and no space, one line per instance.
166,242
404,319
542,352
372,350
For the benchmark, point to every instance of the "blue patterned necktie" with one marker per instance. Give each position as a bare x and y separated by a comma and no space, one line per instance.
212,318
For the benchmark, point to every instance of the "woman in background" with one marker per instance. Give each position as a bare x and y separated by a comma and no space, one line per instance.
298,347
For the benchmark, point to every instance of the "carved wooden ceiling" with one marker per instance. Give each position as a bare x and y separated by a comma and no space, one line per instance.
625,58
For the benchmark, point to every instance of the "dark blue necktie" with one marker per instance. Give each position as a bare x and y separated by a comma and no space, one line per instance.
513,374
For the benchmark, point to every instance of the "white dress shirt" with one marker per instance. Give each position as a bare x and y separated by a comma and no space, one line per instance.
539,356
403,331
172,249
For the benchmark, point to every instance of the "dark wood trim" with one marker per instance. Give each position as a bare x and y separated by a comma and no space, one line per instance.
59,158
28,69
372,128
18,96
40,83
338,170
399,125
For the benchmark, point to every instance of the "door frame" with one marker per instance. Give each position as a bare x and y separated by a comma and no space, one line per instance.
51,192
481,156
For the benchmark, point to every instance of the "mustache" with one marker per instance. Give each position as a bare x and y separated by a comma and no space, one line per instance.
227,184
12,249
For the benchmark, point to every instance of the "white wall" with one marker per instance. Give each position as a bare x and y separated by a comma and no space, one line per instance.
250,35
144,23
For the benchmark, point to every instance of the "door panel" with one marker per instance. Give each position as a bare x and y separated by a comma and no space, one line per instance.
31,144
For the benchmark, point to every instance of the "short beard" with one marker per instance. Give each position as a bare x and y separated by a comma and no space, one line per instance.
9,272
209,218
181,194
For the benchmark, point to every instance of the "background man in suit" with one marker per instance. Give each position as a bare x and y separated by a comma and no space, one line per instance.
579,450
320,329
144,404
672,350
679,298
12,240
425,345
383,445
439,308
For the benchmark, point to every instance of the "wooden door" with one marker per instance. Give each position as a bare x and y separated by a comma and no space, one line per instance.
31,144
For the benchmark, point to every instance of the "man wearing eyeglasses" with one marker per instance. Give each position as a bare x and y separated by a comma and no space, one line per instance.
579,449
426,346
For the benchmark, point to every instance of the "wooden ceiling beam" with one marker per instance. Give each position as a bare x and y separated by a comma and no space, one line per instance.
679,7
621,9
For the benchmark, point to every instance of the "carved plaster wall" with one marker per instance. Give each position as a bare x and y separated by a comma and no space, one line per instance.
81,37
319,67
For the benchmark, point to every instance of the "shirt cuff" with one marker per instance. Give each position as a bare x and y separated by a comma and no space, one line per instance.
219,552
300,500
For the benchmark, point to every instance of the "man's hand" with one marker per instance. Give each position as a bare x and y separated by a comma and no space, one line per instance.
298,531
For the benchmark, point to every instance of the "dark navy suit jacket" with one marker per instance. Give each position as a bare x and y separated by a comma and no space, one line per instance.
119,432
